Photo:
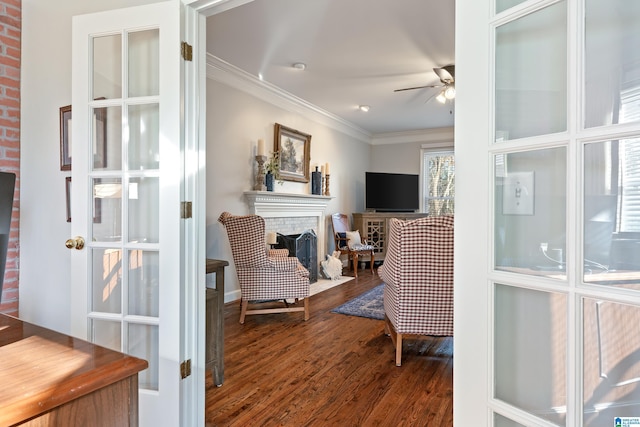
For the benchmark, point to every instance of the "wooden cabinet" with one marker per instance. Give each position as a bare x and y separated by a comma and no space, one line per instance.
374,227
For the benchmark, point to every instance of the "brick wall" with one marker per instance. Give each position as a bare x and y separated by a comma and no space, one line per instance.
10,30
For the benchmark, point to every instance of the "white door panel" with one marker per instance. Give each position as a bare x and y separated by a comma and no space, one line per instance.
126,192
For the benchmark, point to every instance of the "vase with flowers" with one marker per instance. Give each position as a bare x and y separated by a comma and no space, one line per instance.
272,170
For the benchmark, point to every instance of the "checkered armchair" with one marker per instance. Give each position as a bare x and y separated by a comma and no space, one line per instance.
264,276
418,276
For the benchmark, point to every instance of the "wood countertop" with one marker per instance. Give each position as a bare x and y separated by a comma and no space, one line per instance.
41,369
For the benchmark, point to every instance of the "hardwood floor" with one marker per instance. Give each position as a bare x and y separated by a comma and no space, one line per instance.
332,370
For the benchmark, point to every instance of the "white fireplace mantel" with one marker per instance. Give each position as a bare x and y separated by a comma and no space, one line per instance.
271,204
268,203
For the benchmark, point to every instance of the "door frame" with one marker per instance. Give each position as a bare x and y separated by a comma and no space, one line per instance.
194,32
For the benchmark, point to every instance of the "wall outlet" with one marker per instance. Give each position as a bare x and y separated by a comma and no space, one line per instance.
544,247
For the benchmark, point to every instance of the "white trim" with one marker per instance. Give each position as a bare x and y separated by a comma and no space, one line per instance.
222,71
432,137
226,73
438,146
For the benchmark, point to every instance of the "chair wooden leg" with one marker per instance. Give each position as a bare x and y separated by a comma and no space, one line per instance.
372,262
396,338
398,349
354,259
306,309
243,310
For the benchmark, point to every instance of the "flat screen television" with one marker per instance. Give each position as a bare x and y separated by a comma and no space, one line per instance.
392,192
7,185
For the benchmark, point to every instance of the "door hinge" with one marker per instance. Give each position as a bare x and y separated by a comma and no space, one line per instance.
185,369
185,210
187,51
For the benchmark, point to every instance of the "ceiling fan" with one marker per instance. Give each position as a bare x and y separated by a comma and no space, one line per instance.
446,75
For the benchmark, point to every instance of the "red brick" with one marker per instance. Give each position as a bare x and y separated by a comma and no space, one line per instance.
13,3
4,81
9,41
13,52
13,12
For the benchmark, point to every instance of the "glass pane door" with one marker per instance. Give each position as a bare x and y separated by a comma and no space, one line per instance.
126,282
125,196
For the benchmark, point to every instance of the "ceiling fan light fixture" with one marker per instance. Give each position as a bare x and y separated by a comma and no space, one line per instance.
363,108
441,98
450,92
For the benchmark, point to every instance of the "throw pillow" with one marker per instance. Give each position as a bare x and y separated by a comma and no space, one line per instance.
353,239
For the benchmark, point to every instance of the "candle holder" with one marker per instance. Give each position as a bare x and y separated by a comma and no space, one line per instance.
326,188
259,185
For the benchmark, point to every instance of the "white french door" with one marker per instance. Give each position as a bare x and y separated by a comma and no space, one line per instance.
126,194
547,301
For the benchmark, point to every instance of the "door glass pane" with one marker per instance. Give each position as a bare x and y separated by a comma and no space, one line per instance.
612,213
144,54
143,343
502,5
106,334
530,212
106,292
531,93
612,62
144,140
500,421
611,374
144,210
107,138
107,199
530,351
107,67
144,270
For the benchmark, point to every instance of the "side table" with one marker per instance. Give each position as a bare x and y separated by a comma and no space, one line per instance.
215,322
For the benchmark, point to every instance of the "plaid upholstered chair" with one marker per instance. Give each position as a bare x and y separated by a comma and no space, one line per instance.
264,276
418,276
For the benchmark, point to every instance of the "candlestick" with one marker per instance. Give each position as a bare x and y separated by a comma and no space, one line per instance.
261,151
259,185
326,168
326,190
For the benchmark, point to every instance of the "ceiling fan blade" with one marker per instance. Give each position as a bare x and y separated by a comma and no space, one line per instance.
417,87
446,73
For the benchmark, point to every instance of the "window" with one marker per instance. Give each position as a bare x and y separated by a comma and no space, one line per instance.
629,177
438,182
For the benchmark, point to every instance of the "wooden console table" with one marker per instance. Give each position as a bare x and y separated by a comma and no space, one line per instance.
215,322
374,228
52,379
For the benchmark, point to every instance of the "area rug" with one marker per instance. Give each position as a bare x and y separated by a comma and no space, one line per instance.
369,305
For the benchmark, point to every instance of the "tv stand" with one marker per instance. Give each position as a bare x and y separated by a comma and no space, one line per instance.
374,228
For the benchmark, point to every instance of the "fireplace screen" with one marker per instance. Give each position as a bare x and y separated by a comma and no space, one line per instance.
303,246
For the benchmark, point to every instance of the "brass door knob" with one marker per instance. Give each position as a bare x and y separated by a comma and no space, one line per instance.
75,243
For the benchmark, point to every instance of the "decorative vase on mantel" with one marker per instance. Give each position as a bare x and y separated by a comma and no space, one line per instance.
268,180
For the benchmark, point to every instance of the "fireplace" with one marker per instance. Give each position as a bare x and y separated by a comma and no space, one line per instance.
292,214
303,246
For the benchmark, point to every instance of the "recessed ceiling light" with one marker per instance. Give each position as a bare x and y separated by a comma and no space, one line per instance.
300,66
364,108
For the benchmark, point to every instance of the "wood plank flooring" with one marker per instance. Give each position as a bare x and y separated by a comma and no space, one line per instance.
332,370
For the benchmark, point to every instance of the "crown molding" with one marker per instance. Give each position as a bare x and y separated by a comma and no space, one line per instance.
435,136
224,72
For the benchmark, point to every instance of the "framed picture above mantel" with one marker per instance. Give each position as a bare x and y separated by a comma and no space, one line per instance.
294,148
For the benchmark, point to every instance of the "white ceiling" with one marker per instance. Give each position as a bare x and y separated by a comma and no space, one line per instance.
356,52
